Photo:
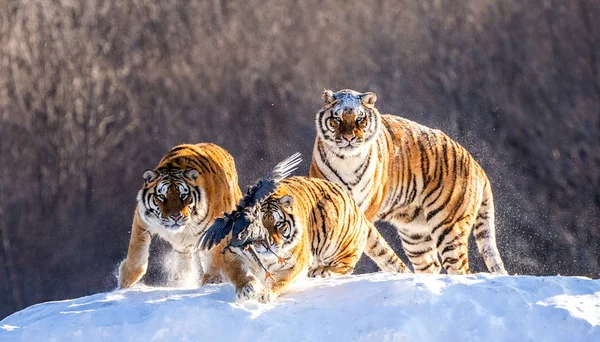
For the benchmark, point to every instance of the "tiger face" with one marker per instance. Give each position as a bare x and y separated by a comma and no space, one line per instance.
169,198
348,120
276,215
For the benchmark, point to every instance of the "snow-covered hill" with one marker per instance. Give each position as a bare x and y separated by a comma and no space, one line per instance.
377,307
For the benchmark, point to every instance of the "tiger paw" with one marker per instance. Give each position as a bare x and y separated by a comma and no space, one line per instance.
266,297
128,275
251,290
326,272
320,272
211,279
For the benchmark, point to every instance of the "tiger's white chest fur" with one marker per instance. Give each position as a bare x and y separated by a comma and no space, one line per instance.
182,241
354,172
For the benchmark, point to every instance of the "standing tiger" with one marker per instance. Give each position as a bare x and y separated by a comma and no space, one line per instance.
313,226
180,198
416,178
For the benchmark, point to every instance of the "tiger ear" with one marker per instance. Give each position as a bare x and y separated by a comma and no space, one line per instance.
286,201
150,175
328,96
368,99
191,174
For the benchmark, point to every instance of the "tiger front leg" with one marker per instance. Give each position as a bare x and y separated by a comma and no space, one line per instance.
336,268
211,278
454,248
181,268
329,271
283,279
269,290
133,268
212,264
251,289
246,284
130,273
423,256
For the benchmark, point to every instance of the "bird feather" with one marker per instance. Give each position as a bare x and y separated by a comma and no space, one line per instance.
246,210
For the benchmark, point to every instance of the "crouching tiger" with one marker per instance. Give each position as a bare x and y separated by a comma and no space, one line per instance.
311,225
416,178
180,199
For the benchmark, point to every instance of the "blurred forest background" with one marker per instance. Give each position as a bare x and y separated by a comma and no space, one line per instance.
93,92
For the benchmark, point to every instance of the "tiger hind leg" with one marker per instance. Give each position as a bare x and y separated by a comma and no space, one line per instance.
484,230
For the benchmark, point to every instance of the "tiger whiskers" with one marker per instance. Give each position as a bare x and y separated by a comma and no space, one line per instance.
268,274
250,248
280,260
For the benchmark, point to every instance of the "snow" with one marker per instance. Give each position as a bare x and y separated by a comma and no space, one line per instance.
368,307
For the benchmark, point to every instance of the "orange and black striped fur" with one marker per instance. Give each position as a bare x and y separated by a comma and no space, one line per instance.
180,199
416,178
315,227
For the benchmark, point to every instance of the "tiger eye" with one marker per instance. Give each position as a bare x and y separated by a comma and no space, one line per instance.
334,121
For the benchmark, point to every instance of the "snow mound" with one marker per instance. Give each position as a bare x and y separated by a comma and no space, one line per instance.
378,307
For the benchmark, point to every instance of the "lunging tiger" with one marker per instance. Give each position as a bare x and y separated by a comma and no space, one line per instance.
180,198
416,178
313,226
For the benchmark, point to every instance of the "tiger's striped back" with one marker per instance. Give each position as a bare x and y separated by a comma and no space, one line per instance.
337,230
315,226
424,183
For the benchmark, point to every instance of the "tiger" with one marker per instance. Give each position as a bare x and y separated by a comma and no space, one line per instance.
315,228
180,198
416,178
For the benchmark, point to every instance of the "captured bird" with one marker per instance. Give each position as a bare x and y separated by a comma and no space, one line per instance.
244,222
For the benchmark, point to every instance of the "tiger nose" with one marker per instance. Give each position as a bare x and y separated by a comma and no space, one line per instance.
175,216
348,137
